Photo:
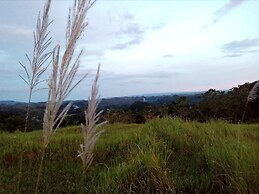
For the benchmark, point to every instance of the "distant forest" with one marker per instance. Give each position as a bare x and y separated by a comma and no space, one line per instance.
212,104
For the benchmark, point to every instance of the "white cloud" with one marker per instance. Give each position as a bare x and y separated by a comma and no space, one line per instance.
14,32
238,48
223,11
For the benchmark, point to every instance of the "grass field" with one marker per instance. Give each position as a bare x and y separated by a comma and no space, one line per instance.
163,156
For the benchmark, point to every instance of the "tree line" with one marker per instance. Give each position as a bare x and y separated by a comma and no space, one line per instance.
212,104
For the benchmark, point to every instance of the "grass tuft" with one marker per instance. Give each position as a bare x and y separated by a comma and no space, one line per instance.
163,156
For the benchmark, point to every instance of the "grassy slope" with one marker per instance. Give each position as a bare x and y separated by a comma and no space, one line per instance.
163,156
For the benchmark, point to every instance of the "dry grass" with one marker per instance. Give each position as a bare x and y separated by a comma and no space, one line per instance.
90,129
252,96
37,65
64,70
254,93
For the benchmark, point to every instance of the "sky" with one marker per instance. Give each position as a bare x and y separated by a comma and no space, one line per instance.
143,46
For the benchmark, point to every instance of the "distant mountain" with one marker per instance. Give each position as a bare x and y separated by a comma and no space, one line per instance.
115,102
8,102
172,93
157,94
106,103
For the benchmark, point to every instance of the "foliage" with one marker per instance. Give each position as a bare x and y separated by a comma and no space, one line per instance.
162,156
213,104
227,105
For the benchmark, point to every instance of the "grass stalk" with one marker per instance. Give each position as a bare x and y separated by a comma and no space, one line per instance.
63,74
244,112
82,181
40,170
252,97
37,67
19,174
40,57
90,130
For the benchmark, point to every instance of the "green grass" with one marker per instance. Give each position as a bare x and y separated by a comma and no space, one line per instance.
163,156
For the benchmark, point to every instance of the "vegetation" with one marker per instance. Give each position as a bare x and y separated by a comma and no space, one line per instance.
65,66
212,104
40,57
162,156
167,155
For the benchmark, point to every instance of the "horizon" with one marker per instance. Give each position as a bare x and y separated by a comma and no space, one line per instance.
143,47
137,95
129,96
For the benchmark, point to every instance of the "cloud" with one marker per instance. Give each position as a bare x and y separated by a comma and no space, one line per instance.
122,46
3,54
128,16
95,53
223,11
158,26
168,56
135,33
231,56
131,29
138,77
13,32
238,48
129,32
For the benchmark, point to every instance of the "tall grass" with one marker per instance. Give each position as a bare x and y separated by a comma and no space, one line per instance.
63,74
36,65
254,93
252,97
163,156
61,81
90,129
64,70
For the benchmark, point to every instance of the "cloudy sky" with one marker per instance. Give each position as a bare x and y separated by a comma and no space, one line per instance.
144,46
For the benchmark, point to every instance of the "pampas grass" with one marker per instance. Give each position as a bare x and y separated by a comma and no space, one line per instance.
36,65
40,56
254,93
252,96
63,73
90,129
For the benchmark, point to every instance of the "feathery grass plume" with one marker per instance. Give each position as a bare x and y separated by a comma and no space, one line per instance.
40,56
254,93
36,65
90,129
63,73
60,83
252,96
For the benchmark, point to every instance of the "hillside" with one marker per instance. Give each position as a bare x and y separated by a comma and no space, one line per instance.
162,156
213,104
12,114
115,102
